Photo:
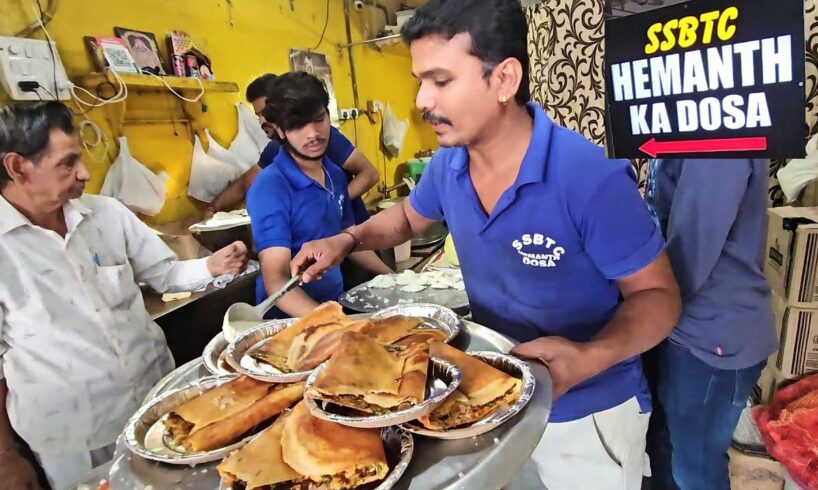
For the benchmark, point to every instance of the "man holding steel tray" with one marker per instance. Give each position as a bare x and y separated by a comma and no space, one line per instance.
557,248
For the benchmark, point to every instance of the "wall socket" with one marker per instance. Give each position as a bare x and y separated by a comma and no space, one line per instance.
348,113
27,62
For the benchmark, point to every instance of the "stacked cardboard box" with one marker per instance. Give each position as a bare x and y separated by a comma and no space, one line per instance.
791,267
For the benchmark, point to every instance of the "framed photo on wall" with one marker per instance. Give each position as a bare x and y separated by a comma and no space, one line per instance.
115,55
95,53
143,48
318,65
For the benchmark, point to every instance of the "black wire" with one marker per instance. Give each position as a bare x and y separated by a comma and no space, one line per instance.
324,31
50,49
46,91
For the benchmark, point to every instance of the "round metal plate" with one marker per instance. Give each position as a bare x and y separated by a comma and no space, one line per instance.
144,432
506,363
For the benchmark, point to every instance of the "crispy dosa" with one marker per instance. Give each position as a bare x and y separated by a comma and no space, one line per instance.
275,351
224,414
332,455
317,343
259,465
368,376
482,391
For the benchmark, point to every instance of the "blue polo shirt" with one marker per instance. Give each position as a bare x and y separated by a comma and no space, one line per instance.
339,148
546,260
287,209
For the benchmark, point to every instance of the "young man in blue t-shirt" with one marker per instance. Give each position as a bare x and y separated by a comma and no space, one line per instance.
360,173
557,247
302,196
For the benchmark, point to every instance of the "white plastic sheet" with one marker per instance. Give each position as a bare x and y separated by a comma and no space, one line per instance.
208,176
133,184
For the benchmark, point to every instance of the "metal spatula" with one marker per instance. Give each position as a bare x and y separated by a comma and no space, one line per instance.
242,312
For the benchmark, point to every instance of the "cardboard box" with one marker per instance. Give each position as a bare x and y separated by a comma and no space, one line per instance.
791,255
797,330
751,472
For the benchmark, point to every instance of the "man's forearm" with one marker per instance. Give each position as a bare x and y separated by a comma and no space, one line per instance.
386,229
361,183
358,187
641,322
369,261
230,196
296,303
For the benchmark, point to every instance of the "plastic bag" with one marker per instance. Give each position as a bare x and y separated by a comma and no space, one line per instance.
789,427
394,132
133,184
208,176
799,172
217,151
250,139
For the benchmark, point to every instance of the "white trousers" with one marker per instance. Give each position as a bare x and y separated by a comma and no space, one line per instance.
603,451
66,469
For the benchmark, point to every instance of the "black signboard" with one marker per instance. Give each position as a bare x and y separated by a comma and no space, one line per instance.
707,78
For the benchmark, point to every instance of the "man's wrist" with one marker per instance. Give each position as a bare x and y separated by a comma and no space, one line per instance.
600,355
356,242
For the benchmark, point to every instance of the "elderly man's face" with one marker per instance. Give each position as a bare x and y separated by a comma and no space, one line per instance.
58,174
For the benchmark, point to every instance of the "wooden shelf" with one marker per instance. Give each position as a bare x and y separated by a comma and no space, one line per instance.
147,82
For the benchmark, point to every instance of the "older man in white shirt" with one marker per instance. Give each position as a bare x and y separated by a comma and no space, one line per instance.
78,351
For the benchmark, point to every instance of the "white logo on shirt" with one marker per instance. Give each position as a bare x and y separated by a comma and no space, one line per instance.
540,243
341,204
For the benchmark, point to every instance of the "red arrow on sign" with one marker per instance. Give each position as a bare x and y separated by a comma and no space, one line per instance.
654,148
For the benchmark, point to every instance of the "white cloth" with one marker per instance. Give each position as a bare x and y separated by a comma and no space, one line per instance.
250,139
208,176
78,350
603,451
67,470
799,172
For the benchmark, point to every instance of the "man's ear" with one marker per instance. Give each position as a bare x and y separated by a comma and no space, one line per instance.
509,76
17,167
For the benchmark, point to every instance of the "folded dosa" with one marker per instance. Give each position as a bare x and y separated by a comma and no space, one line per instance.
259,465
222,415
482,391
395,329
332,455
315,344
369,376
274,351
426,335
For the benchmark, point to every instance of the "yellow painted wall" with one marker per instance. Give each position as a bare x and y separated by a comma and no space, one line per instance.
244,38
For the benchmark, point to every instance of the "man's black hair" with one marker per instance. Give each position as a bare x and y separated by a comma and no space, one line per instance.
294,100
498,31
25,127
258,87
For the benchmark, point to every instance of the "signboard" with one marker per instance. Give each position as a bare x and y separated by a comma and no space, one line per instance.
707,79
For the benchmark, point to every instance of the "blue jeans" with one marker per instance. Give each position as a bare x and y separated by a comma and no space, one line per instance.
695,412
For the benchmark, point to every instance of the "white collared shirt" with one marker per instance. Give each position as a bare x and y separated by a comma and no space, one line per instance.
78,350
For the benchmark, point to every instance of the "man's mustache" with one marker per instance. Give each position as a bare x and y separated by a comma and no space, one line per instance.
431,118
318,140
